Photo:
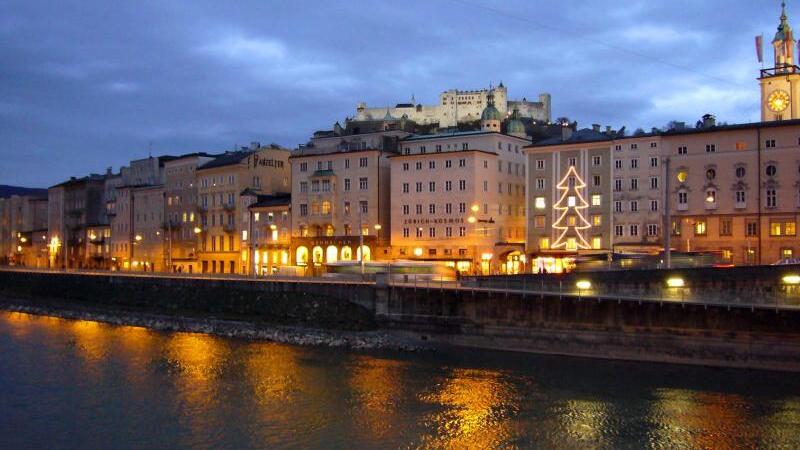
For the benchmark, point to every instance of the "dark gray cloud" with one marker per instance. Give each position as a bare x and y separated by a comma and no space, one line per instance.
89,84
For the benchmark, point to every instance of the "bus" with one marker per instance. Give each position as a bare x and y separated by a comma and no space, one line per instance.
397,271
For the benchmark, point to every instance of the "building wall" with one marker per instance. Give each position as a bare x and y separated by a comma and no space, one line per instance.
148,229
224,213
459,198
738,164
549,167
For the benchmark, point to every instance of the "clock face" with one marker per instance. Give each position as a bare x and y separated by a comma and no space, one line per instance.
778,101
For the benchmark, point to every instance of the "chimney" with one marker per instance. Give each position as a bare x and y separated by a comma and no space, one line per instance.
709,121
566,132
596,127
108,171
255,145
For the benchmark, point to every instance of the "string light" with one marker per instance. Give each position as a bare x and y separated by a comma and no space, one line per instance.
571,204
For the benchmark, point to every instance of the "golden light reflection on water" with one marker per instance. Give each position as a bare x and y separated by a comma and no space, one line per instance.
198,357
477,409
585,422
377,385
91,340
707,420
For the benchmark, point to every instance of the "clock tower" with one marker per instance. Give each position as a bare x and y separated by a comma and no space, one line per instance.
780,85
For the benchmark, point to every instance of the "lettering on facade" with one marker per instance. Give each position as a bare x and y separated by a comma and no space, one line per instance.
433,221
254,161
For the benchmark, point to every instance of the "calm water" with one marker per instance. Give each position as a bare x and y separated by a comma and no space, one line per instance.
77,384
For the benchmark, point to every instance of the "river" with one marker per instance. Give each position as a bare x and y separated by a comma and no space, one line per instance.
80,384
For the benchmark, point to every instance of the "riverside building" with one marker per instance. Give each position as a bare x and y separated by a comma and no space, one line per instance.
459,197
223,214
340,192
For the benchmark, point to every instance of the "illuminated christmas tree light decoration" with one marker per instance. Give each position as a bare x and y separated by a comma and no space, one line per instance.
571,221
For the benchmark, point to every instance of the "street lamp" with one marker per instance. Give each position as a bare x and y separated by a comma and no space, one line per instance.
138,238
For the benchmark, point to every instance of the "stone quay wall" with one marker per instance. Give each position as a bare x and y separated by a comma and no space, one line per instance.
732,335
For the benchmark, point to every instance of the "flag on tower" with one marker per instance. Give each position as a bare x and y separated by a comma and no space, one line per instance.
760,48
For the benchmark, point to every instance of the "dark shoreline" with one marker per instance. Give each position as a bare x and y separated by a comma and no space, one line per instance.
238,328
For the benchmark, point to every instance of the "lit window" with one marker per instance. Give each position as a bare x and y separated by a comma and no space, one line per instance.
539,203
544,243
597,242
700,228
596,199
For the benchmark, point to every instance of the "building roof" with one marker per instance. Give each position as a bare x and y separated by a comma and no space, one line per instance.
75,180
515,125
7,191
278,199
422,137
587,135
227,159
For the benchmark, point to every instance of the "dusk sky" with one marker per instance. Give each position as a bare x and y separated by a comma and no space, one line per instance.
89,84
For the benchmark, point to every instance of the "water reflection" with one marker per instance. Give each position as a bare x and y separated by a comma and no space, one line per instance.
701,420
476,408
377,385
187,390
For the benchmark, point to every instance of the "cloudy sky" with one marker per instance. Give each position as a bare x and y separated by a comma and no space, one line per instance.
89,84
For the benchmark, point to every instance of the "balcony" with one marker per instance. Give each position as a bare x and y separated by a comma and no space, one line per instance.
229,228
783,69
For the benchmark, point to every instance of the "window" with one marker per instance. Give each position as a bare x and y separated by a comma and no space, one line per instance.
462,185
539,164
406,210
431,164
596,160
618,206
653,182
432,208
303,209
448,164
597,220
448,186
303,168
654,205
654,162
539,221
418,208
618,164
405,167
596,180
418,186
364,206
653,144
740,198
539,203
634,230
772,200
751,229
347,163
419,232
771,170
438,148
347,184
448,208
432,232
303,186
618,185
683,198
405,188
682,150
326,185
617,147
462,208
405,232
786,253
634,205
596,199
326,208
725,227
634,163
770,143
573,162
711,148
462,231
448,232
362,162
422,149
634,184
462,162
634,146
618,230
431,186
740,172
700,228
652,230
540,183
465,146
418,165
782,228
544,243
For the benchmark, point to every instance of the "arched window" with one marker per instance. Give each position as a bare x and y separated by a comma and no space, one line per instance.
347,253
367,253
316,255
331,254
302,256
